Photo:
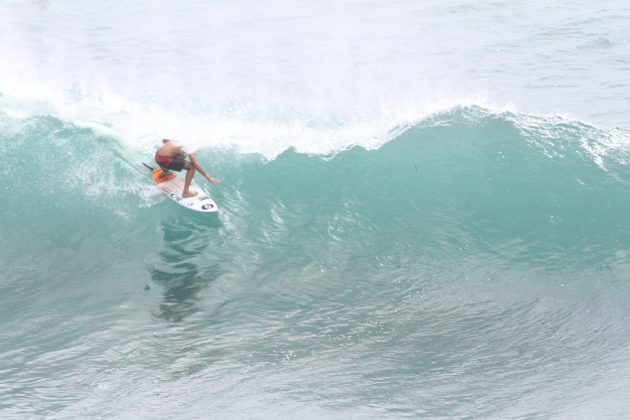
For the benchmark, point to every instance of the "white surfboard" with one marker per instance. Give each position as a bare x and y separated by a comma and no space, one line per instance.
172,186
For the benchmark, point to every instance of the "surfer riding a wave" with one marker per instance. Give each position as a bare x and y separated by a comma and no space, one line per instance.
171,156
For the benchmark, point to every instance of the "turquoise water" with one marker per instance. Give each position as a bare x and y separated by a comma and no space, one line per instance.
423,211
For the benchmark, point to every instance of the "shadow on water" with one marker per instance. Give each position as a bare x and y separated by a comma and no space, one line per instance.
183,266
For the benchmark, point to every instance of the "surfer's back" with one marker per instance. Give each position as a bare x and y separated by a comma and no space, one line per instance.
170,148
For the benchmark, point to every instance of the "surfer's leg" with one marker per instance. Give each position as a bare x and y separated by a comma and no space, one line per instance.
189,176
197,165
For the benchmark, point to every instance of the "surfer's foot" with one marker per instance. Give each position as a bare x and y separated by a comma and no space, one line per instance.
213,180
189,194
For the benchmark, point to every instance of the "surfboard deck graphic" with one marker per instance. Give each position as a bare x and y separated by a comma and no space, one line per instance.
172,186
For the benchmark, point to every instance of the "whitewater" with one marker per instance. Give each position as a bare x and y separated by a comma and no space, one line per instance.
424,210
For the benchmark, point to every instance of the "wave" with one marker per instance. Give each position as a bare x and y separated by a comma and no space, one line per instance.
497,240
464,181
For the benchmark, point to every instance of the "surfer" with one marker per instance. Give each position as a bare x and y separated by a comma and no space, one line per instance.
171,156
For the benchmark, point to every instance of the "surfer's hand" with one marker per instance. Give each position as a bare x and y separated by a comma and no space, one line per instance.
214,180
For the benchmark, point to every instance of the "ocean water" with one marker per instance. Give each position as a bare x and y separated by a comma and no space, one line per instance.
425,210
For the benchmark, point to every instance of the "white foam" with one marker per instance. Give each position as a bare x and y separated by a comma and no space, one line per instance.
240,76
320,93
141,124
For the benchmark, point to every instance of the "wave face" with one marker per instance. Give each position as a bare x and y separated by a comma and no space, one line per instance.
473,266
